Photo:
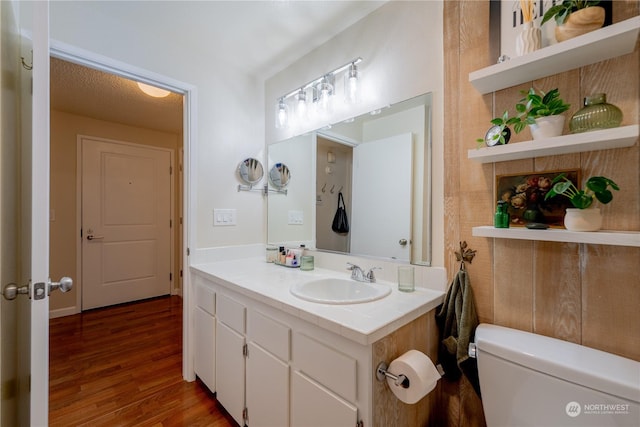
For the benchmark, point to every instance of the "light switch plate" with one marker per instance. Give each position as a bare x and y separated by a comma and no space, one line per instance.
224,217
296,217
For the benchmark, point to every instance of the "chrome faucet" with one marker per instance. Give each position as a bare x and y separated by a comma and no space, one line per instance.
359,275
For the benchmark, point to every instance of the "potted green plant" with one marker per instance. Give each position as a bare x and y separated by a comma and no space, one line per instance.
542,112
580,218
575,17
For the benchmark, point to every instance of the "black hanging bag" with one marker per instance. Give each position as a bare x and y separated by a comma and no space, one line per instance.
340,222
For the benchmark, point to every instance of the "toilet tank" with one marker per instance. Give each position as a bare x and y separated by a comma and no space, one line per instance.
533,380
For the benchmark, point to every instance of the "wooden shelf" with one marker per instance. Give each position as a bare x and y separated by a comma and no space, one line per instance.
605,43
602,237
605,139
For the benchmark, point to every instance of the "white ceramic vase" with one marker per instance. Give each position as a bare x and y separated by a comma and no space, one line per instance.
529,39
583,219
547,127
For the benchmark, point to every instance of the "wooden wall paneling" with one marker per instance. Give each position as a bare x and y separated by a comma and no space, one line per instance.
557,290
449,400
625,9
513,294
610,300
421,335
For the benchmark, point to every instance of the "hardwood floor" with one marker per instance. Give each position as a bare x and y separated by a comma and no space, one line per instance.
122,366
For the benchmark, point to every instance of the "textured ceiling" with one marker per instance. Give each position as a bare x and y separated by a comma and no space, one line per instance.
84,91
260,37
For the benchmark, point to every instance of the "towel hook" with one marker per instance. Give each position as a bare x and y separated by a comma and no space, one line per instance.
466,254
324,187
333,187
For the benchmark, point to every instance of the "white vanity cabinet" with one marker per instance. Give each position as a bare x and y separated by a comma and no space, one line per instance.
205,334
230,350
278,364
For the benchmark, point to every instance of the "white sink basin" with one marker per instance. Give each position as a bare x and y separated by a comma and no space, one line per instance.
340,291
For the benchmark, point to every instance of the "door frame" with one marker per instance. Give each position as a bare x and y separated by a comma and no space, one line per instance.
79,201
64,51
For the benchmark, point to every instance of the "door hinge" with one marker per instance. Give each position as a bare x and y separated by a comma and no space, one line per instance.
170,170
360,424
170,223
245,350
180,273
188,251
170,277
245,414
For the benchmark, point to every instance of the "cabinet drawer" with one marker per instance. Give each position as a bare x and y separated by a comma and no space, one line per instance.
205,297
314,406
328,366
231,313
270,334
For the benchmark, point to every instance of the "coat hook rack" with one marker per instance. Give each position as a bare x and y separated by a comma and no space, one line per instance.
466,254
324,187
333,187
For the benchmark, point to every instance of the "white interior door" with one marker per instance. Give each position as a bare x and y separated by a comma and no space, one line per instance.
381,211
126,222
24,209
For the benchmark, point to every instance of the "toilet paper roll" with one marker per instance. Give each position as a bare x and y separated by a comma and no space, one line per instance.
421,372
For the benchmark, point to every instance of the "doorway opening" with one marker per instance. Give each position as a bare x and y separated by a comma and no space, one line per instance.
89,104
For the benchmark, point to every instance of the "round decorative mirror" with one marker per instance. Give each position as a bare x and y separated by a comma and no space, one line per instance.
250,171
279,176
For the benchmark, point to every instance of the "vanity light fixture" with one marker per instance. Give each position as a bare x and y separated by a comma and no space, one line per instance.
153,91
323,90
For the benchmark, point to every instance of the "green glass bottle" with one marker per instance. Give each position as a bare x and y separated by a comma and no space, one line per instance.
501,218
596,114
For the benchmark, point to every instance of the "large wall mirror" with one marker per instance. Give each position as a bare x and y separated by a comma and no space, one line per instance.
381,164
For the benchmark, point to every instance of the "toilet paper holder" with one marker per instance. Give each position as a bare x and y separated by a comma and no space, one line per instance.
382,373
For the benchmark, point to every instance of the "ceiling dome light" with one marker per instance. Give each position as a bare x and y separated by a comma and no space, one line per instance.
156,92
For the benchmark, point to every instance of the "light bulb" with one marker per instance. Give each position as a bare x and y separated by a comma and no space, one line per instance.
325,90
351,85
301,105
282,114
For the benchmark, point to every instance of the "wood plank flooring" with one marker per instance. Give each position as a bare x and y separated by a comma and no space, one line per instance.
122,366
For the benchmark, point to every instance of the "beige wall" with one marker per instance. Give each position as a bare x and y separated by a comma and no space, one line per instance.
64,233
587,294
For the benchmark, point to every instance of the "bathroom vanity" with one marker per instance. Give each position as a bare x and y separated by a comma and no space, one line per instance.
275,359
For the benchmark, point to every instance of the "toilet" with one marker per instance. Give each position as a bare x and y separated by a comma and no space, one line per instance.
533,380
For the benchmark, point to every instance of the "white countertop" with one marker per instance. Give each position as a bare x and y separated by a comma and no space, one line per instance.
364,323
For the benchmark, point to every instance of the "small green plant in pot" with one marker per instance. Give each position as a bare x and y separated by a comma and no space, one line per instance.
581,218
597,187
575,17
542,112
500,133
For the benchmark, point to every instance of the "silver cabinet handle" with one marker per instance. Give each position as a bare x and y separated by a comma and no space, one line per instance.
92,237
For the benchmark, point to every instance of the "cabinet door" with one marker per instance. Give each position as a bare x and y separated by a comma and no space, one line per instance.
312,405
230,374
205,342
267,389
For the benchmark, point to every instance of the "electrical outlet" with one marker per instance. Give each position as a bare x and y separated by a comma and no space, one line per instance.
224,217
296,217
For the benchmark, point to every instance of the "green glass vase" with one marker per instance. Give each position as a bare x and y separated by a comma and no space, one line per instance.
596,114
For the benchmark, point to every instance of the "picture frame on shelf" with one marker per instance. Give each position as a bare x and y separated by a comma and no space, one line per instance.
524,194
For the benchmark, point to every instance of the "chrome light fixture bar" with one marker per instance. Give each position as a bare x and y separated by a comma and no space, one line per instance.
323,88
